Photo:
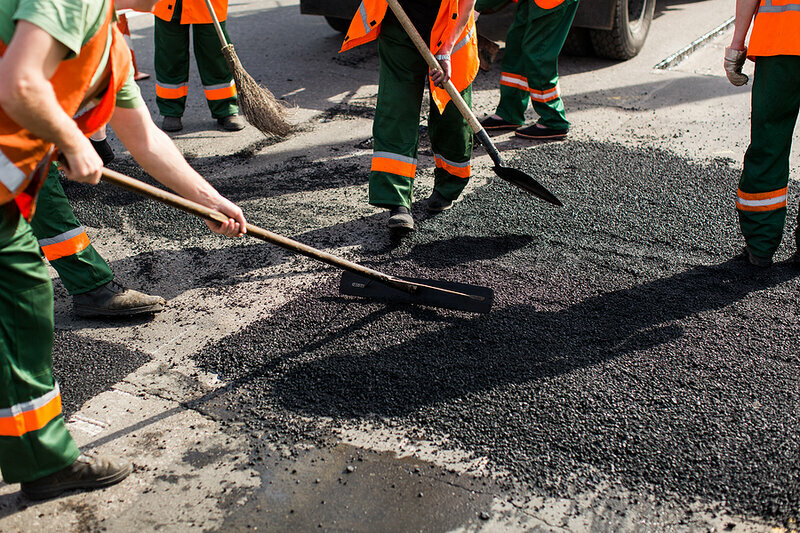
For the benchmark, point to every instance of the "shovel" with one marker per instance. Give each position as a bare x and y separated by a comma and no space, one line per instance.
357,280
511,175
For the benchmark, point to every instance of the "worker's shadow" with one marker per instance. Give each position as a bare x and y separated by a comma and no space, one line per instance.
534,344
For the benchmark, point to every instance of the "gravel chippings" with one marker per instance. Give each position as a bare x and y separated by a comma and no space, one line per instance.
626,346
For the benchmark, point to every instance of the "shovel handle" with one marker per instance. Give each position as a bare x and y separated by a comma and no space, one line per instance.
458,100
168,198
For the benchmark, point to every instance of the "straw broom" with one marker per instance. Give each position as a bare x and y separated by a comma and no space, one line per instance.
259,106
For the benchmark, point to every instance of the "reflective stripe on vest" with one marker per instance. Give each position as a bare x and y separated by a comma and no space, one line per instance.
220,91
762,201
68,243
776,29
461,170
10,176
32,415
402,165
171,91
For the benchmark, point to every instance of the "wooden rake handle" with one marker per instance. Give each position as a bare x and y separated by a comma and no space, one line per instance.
458,100
168,198
222,40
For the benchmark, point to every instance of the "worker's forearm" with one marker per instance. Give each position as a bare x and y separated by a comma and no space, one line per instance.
745,9
464,11
159,156
32,104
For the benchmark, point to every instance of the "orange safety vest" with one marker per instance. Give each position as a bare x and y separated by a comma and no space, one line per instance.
776,29
366,26
193,11
25,158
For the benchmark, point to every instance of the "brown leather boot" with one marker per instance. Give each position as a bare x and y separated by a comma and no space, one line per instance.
112,299
86,473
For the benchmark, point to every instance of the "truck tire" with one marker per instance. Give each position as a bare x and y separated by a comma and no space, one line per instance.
626,38
338,24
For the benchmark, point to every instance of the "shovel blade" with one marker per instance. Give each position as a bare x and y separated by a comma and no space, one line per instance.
434,293
526,183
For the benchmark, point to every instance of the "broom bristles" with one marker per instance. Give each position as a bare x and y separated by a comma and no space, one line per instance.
258,105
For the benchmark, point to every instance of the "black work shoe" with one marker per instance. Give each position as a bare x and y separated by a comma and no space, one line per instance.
231,123
112,299
104,150
85,473
172,124
497,123
536,132
438,203
400,219
755,260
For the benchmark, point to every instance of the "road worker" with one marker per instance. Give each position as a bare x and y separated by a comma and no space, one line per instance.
449,27
60,56
530,69
173,20
775,47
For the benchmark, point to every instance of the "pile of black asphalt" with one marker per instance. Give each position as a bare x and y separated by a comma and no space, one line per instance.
627,344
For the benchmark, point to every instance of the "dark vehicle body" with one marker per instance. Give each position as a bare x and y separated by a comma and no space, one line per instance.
614,29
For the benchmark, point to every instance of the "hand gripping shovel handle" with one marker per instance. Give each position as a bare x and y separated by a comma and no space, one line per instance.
409,287
514,176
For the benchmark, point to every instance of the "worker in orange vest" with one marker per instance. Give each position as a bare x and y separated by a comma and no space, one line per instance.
449,27
173,20
530,69
59,56
763,187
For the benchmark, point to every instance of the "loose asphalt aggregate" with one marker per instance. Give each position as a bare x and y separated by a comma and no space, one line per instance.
627,343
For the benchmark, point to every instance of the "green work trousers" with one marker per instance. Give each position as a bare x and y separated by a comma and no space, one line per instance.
762,191
530,63
172,68
34,440
403,75
64,241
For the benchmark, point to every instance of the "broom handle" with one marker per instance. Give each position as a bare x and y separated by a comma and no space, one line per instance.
458,100
222,40
207,213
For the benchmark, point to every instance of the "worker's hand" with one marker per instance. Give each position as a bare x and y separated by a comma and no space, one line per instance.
236,225
82,162
734,60
440,77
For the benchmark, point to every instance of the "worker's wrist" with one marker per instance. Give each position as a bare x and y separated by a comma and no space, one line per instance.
442,57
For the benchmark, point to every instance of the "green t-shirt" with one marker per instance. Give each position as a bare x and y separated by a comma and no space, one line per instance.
70,22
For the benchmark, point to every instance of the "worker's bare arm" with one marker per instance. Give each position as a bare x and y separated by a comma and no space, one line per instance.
27,96
745,9
464,11
159,156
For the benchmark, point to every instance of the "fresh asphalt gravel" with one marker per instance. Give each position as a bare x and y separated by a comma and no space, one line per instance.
626,346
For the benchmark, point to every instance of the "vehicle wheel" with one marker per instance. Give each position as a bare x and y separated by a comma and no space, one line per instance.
626,38
338,24
578,43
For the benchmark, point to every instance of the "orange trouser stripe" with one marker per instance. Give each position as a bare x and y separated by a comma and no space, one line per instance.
545,96
18,424
70,246
171,93
761,201
221,93
393,166
514,80
462,170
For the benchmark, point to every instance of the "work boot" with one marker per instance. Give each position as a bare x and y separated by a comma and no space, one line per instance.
755,260
539,132
86,473
172,124
400,219
438,203
112,299
104,150
233,122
